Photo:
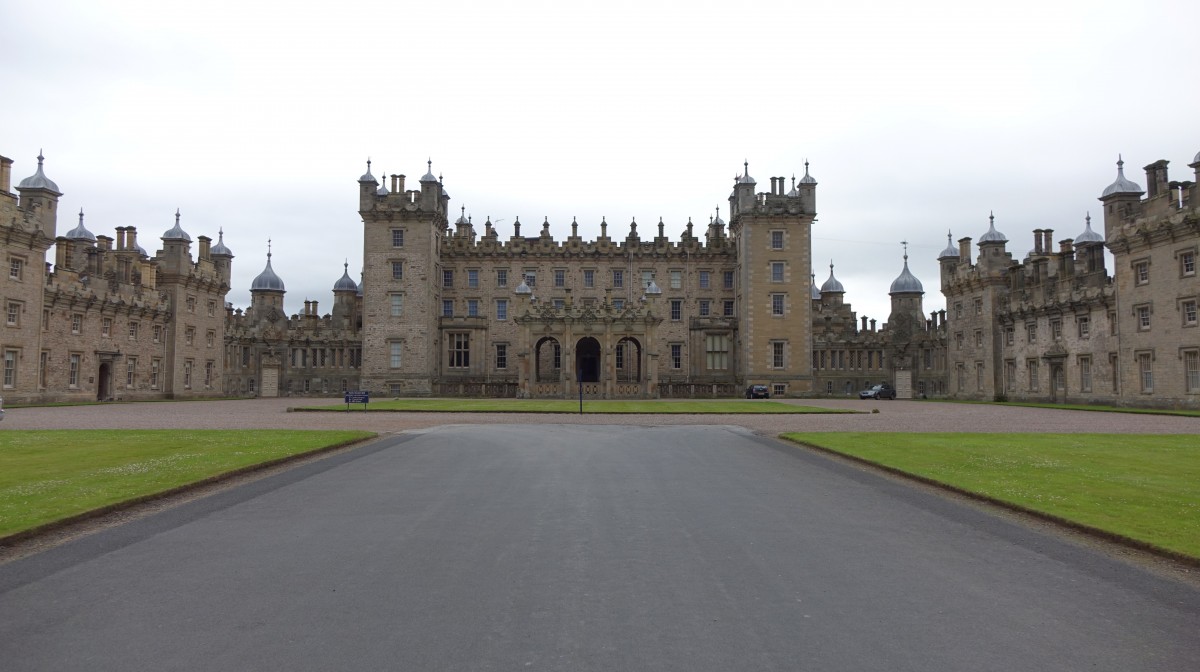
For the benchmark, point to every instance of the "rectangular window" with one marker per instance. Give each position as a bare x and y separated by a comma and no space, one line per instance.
13,316
716,350
979,376
958,311
1010,374
447,308
501,355
191,304
130,371
776,271
133,331
1141,272
676,355
1056,329
212,308
45,319
189,335
779,389
1085,373
676,309
501,309
472,307
619,304
397,237
1191,371
16,268
1146,371
395,352
1032,366
589,278
502,277
530,279
10,369
1143,317
647,278
43,368
155,367
397,304
1008,335
76,323
705,306
447,278
1115,371
560,277
557,356
620,355
727,310
472,278
156,333
1085,326
979,306
728,279
73,371
106,327
777,240
704,279
958,340
979,338
1188,311
187,374
618,278
1187,264
397,270
777,355
777,305
210,338
460,350
559,304
1031,332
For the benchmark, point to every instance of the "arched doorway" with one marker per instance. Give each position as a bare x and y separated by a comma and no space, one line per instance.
587,360
103,382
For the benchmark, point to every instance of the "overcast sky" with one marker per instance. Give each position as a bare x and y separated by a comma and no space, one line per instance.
918,118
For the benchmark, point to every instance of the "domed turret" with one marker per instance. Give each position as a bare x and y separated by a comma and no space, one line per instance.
1088,236
745,178
39,180
345,283
80,232
906,282
219,248
807,179
950,252
367,176
992,235
267,281
428,176
832,284
176,232
1121,185
814,291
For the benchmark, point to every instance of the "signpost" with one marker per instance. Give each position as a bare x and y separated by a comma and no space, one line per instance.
361,397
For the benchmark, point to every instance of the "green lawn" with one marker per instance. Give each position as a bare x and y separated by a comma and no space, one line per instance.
1080,407
572,406
48,475
1141,487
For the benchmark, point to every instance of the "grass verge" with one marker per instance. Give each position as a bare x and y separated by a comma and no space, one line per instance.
1188,413
47,476
1143,489
652,406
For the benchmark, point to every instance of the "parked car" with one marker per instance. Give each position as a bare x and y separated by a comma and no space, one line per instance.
881,391
758,392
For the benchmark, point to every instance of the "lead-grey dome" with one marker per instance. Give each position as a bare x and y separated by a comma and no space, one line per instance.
176,232
80,232
219,248
832,284
1196,158
906,282
1121,185
345,283
367,176
807,179
39,180
992,235
1088,235
267,280
745,178
950,252
428,176
814,291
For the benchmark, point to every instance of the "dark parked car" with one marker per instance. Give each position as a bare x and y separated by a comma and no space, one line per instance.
758,392
881,391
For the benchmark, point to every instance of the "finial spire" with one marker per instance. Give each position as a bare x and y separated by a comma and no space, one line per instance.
905,244
176,216
268,250
991,218
81,216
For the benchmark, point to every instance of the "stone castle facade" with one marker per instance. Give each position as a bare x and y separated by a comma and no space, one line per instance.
447,310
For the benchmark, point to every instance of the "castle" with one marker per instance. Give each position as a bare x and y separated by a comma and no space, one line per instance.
445,310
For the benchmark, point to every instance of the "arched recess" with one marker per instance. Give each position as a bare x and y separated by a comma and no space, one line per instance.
629,360
547,360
